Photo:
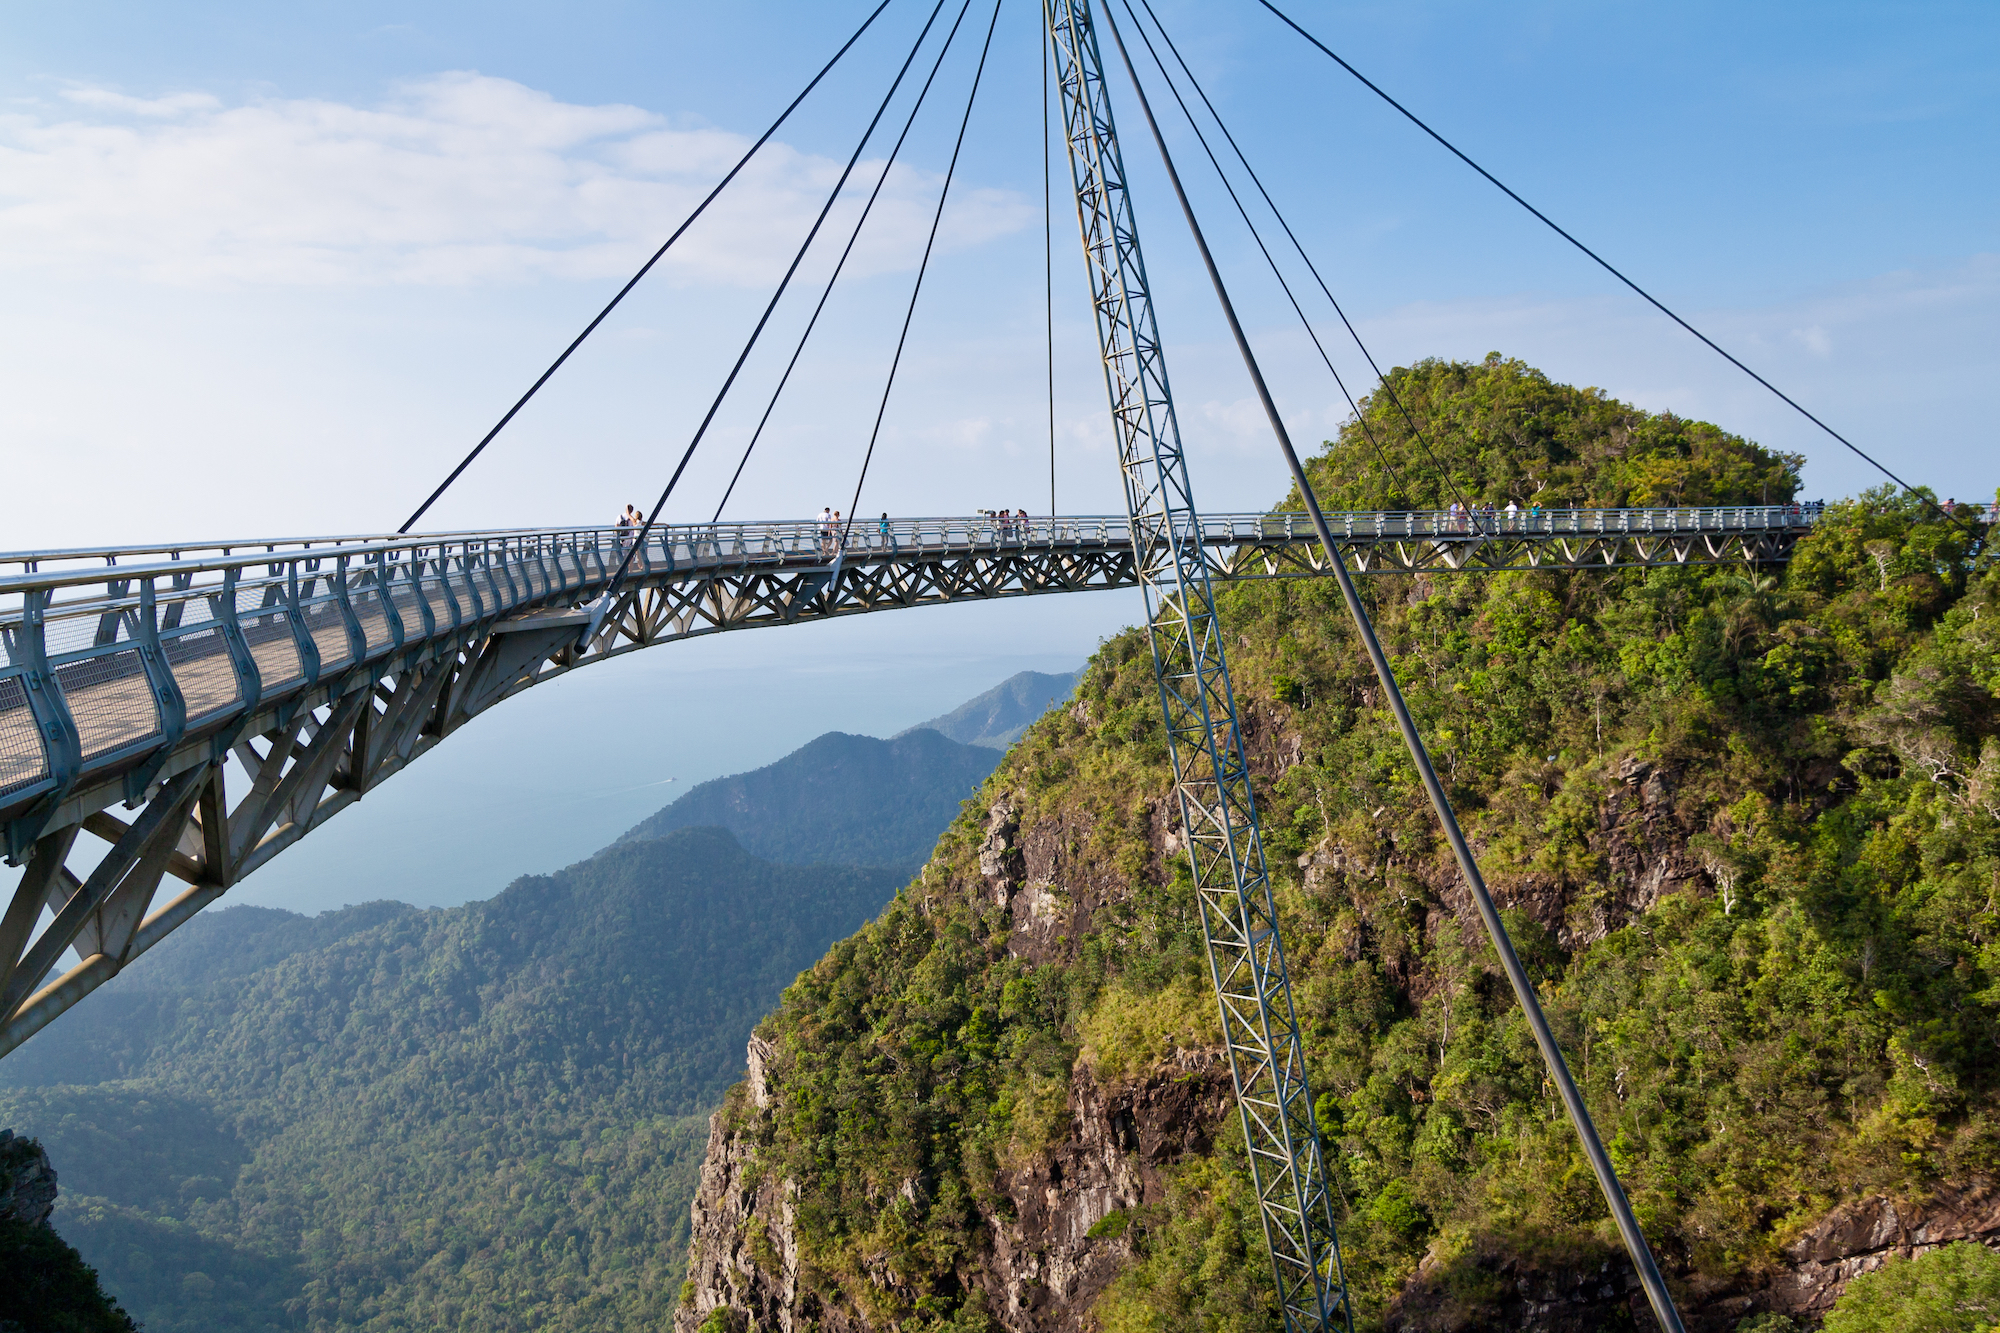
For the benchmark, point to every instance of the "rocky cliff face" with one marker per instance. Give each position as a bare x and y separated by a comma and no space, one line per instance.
27,1181
1052,1235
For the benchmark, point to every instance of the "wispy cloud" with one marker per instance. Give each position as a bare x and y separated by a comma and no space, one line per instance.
454,179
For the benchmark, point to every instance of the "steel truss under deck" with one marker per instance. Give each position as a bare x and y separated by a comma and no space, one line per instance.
1211,777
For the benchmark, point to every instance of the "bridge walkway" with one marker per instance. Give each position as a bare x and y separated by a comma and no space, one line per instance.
152,675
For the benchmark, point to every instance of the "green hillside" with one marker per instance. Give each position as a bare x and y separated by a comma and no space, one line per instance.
113,1035
1742,822
997,718
486,1117
840,799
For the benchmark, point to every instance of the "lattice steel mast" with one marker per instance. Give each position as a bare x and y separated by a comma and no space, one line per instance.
1211,778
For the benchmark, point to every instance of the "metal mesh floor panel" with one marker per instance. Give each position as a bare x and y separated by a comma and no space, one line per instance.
440,604
201,666
374,624
277,657
405,598
21,758
111,700
329,635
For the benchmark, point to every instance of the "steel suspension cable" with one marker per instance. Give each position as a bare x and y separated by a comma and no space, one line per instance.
639,539
1523,986
853,237
644,269
922,268
1606,265
1387,386
1049,267
1276,272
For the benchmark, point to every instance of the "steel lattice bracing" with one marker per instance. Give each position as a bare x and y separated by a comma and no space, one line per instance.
238,696
1211,776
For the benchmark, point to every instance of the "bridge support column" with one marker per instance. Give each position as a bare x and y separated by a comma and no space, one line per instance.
1211,777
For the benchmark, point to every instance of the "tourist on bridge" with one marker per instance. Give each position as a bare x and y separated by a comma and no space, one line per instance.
888,537
1513,515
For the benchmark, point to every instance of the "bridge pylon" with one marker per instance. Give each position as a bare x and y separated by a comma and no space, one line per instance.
1211,776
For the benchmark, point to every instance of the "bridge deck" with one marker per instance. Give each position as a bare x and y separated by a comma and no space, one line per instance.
240,694
118,635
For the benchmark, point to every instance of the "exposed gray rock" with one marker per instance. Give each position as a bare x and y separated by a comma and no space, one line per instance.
1041,1268
27,1181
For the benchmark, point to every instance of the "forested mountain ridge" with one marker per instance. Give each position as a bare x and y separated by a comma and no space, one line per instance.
482,1117
113,1036
1742,823
838,800
997,718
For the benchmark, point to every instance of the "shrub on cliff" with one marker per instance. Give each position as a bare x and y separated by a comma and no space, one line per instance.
1955,1289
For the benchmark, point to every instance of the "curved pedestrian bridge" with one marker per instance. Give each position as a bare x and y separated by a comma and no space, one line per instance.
238,694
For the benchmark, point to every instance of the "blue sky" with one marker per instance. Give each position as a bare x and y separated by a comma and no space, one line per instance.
278,266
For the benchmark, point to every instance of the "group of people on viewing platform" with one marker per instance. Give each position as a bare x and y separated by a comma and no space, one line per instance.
1008,525
629,524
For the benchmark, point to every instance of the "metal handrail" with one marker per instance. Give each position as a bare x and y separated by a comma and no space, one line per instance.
246,551
103,664
716,541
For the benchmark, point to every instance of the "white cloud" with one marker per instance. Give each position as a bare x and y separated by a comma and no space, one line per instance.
175,105
458,178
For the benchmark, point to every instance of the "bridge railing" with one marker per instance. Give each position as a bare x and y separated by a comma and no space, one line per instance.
147,645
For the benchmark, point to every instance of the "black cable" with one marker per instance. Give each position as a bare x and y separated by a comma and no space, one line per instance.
922,269
1256,236
644,269
1049,271
833,195
853,237
1417,431
1649,298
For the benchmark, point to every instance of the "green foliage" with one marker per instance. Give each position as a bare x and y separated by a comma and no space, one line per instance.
1955,1289
1129,1031
1111,1226
488,1117
1743,823
1202,1266
46,1286
839,800
1500,430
